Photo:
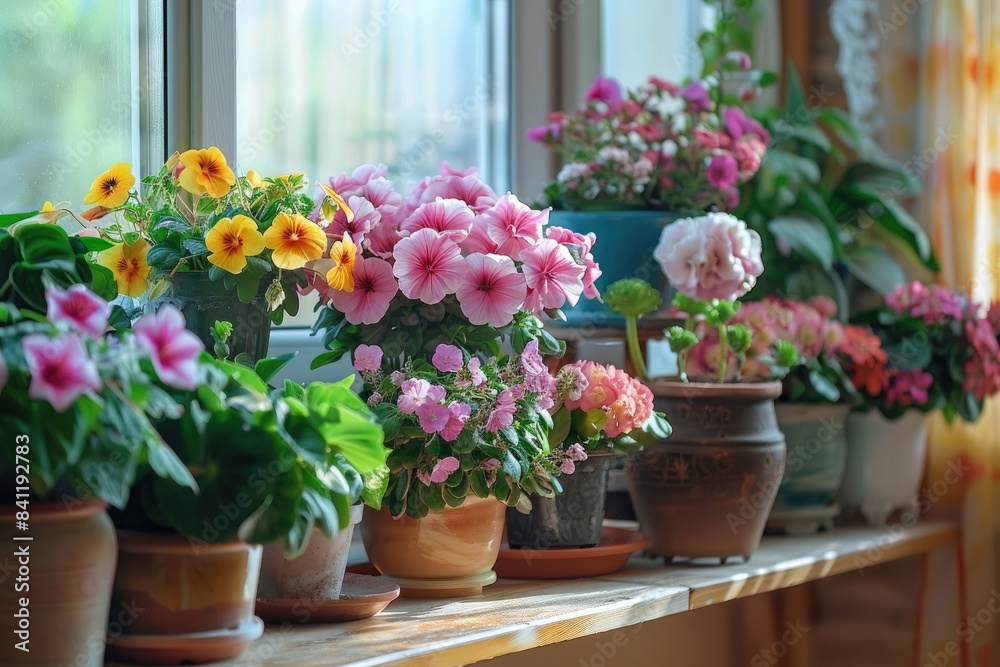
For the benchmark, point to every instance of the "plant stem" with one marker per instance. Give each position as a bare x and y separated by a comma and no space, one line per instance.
632,343
723,354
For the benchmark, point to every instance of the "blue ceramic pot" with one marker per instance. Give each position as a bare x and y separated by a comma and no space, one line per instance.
624,249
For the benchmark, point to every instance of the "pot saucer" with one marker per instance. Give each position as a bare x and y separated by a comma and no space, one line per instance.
190,648
611,555
458,587
802,520
361,597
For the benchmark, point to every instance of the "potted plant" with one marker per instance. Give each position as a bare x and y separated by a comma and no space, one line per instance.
707,490
217,246
817,397
926,349
640,159
601,413
79,410
421,293
826,205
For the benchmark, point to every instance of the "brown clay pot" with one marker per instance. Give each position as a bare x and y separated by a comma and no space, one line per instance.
69,569
707,490
184,586
448,553
317,574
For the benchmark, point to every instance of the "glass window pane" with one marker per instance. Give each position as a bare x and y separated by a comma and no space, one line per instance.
66,97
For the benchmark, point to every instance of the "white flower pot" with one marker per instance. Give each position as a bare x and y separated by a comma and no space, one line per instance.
885,464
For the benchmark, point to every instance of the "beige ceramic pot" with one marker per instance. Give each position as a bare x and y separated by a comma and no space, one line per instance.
317,574
65,576
706,491
448,553
185,586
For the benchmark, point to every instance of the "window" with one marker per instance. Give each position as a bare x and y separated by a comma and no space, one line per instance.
73,96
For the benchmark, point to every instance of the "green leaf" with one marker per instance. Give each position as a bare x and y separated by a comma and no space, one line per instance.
268,367
247,286
196,246
896,220
823,386
806,236
163,256
511,467
561,422
795,98
812,134
326,358
477,480
810,280
8,219
95,244
874,267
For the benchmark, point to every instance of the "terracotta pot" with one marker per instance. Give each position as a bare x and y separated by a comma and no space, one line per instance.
448,553
885,465
816,440
317,574
66,582
707,490
571,519
185,586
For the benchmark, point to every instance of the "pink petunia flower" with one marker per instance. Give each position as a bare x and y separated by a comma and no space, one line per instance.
429,266
374,289
607,90
479,238
513,226
493,290
553,277
449,217
460,413
723,171
172,348
79,308
433,417
444,468
365,219
414,394
447,358
60,369
367,358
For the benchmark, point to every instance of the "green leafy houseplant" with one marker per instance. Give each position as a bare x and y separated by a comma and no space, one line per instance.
826,203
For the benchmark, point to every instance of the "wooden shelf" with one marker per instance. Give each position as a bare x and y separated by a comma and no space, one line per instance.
516,615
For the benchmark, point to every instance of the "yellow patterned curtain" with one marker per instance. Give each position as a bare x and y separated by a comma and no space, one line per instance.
962,160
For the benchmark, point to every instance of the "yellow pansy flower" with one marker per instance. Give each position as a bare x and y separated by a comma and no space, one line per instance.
205,170
342,254
294,241
338,200
231,241
110,189
127,262
254,179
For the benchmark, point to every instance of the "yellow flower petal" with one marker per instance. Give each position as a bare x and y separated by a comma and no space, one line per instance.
338,200
294,240
254,179
206,171
231,241
127,262
111,188
343,255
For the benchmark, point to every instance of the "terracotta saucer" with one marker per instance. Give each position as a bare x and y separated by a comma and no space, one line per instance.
611,555
361,596
191,648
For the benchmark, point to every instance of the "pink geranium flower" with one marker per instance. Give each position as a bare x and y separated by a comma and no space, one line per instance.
909,388
429,266
172,348
460,413
433,416
367,358
553,277
79,308
60,369
513,226
723,171
493,290
444,468
447,358
450,217
374,289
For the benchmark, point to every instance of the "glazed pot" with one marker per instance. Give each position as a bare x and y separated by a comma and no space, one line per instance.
707,490
571,519
317,574
448,553
816,441
65,575
203,301
624,250
885,465
183,585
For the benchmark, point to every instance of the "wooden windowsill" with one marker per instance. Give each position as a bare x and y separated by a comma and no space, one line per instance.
516,615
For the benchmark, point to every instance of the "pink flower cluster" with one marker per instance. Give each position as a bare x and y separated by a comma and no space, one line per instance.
714,256
657,143
67,365
626,402
932,304
452,239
